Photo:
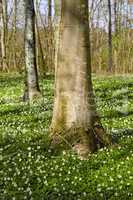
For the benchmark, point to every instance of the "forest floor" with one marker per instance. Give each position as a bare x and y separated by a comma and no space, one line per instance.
30,170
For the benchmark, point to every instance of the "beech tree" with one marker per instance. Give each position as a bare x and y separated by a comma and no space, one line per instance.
4,27
110,59
31,82
14,31
75,119
50,39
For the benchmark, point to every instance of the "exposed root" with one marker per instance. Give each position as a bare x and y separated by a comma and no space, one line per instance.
101,135
83,142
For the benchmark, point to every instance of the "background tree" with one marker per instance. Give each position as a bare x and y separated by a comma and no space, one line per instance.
47,39
14,32
50,39
31,85
74,117
39,51
4,28
110,60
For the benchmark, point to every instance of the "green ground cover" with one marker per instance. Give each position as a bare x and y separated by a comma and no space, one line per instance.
30,170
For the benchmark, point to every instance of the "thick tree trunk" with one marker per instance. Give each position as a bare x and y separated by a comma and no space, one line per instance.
57,16
31,87
74,117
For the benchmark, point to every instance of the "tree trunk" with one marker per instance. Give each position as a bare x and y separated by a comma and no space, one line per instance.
110,59
115,17
50,39
14,32
75,119
49,11
57,8
3,13
57,16
31,87
39,50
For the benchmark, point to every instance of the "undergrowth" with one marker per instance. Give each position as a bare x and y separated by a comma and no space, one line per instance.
30,170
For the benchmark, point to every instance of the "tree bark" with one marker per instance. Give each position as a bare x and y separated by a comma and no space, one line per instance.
50,40
110,59
75,119
14,32
57,16
3,16
31,84
115,17
49,11
39,50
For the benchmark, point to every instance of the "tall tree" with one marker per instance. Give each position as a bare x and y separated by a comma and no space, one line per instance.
4,22
110,59
50,39
39,48
75,119
57,8
50,11
31,84
57,13
14,32
115,16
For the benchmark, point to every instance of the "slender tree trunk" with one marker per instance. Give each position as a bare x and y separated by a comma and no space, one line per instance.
31,87
36,4
57,8
110,59
3,13
50,11
39,50
50,39
75,119
115,17
41,61
1,35
14,33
